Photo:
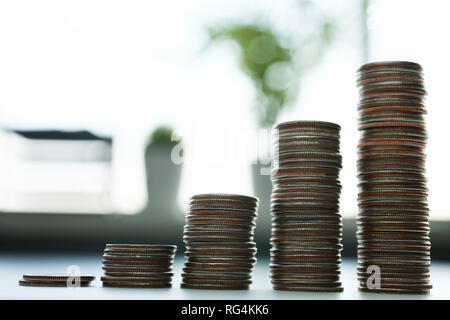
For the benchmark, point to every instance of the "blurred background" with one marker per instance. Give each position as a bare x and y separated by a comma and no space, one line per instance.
113,113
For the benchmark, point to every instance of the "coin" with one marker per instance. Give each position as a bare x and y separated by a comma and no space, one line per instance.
301,270
220,265
131,257
136,285
54,277
229,270
146,280
400,275
135,247
137,262
213,286
225,196
139,274
409,66
216,276
306,288
144,254
394,290
218,236
49,283
133,269
189,279
237,261
55,280
138,265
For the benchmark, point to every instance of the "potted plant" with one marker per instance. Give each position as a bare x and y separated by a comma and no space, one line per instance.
163,172
275,63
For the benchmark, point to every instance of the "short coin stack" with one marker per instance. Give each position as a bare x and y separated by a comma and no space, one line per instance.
393,229
218,236
306,224
138,265
55,280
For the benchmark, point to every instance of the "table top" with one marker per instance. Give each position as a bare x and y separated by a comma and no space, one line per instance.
13,266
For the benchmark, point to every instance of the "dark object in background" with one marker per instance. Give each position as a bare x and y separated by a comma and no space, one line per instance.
61,135
56,145
163,135
163,175
52,171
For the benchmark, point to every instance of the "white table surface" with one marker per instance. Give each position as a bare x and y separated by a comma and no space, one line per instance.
13,266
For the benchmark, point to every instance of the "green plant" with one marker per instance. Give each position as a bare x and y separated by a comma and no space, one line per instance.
275,62
163,135
260,49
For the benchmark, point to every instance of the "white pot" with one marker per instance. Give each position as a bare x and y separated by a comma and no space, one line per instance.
262,186
163,181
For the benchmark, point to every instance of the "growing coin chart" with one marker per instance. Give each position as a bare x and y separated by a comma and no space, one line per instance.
306,237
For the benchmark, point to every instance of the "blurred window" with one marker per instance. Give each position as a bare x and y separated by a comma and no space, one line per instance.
55,172
122,68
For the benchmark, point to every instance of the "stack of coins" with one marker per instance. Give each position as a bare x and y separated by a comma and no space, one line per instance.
218,236
138,265
55,280
393,230
306,224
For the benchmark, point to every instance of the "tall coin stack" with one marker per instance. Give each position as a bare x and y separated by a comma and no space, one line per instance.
218,236
306,224
138,265
393,230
